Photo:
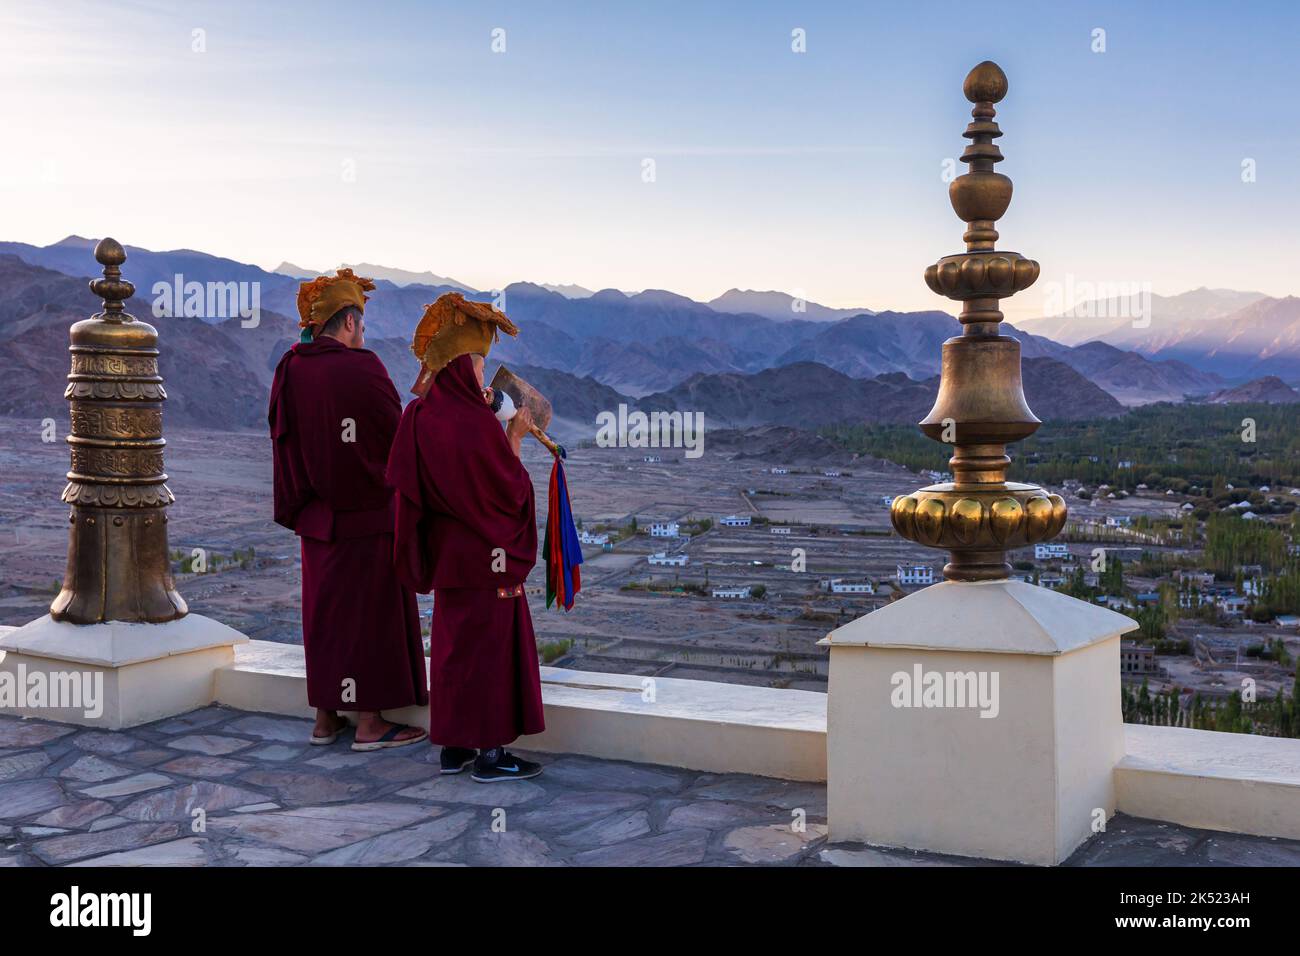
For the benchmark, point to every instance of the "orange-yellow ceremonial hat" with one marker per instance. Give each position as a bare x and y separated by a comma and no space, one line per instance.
320,298
455,326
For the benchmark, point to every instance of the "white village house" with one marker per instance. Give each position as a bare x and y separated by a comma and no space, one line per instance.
732,593
1234,605
1045,552
668,560
664,529
915,574
840,586
735,521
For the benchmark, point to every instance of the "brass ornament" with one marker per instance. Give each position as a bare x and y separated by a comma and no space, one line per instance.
118,562
980,407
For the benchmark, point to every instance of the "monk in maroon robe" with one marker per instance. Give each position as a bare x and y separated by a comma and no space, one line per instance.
466,529
333,413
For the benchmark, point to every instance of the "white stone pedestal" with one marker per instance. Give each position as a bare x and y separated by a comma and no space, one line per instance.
112,675
1029,781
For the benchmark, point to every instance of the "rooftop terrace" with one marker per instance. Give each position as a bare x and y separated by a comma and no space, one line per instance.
71,797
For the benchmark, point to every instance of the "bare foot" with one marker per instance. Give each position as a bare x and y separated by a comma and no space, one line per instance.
327,723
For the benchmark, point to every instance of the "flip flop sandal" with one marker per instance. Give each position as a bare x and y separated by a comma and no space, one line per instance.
328,738
390,739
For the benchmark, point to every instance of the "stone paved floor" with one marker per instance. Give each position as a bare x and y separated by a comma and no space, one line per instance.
72,796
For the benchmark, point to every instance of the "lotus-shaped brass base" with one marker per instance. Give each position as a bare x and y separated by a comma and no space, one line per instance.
978,524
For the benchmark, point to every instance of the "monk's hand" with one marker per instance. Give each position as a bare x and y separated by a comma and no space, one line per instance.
518,427
487,394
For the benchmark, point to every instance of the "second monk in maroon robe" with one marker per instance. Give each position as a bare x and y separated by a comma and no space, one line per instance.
467,529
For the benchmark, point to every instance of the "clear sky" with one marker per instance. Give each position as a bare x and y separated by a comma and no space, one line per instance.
393,133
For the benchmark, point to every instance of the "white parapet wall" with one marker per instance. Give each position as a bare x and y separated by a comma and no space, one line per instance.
1235,782
700,725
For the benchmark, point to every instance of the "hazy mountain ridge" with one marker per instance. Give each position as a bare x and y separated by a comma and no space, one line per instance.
568,290
1261,339
392,311
779,306
1134,379
218,375
211,372
638,344
1113,320
1269,389
1235,335
810,395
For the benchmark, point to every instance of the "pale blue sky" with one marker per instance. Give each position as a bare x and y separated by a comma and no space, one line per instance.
816,172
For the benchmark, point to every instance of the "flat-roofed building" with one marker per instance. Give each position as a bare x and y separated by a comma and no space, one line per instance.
915,574
840,586
1136,658
732,593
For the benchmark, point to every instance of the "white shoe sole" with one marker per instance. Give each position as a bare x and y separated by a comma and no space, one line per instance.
522,776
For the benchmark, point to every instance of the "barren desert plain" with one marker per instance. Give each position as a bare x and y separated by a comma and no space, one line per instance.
630,617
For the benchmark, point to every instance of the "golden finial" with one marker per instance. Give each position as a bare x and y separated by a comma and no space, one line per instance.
981,402
112,288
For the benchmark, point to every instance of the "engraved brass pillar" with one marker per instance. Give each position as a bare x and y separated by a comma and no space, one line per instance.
979,515
118,563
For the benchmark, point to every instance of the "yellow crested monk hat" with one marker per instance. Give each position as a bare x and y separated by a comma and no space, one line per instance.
320,298
451,327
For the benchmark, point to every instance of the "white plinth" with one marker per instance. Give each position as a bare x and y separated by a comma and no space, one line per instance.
112,675
1029,782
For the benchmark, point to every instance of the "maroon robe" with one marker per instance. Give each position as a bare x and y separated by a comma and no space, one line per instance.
467,530
359,623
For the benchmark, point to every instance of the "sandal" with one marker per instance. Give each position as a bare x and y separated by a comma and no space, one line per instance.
328,738
390,739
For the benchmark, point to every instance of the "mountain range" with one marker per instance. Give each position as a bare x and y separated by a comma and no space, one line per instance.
1236,335
398,277
218,374
653,349
778,306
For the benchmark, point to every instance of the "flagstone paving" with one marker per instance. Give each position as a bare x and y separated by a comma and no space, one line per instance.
220,787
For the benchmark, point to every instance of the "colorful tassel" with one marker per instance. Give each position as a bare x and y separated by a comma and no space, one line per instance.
561,547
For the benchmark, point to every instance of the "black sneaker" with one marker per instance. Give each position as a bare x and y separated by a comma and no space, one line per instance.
500,764
455,759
